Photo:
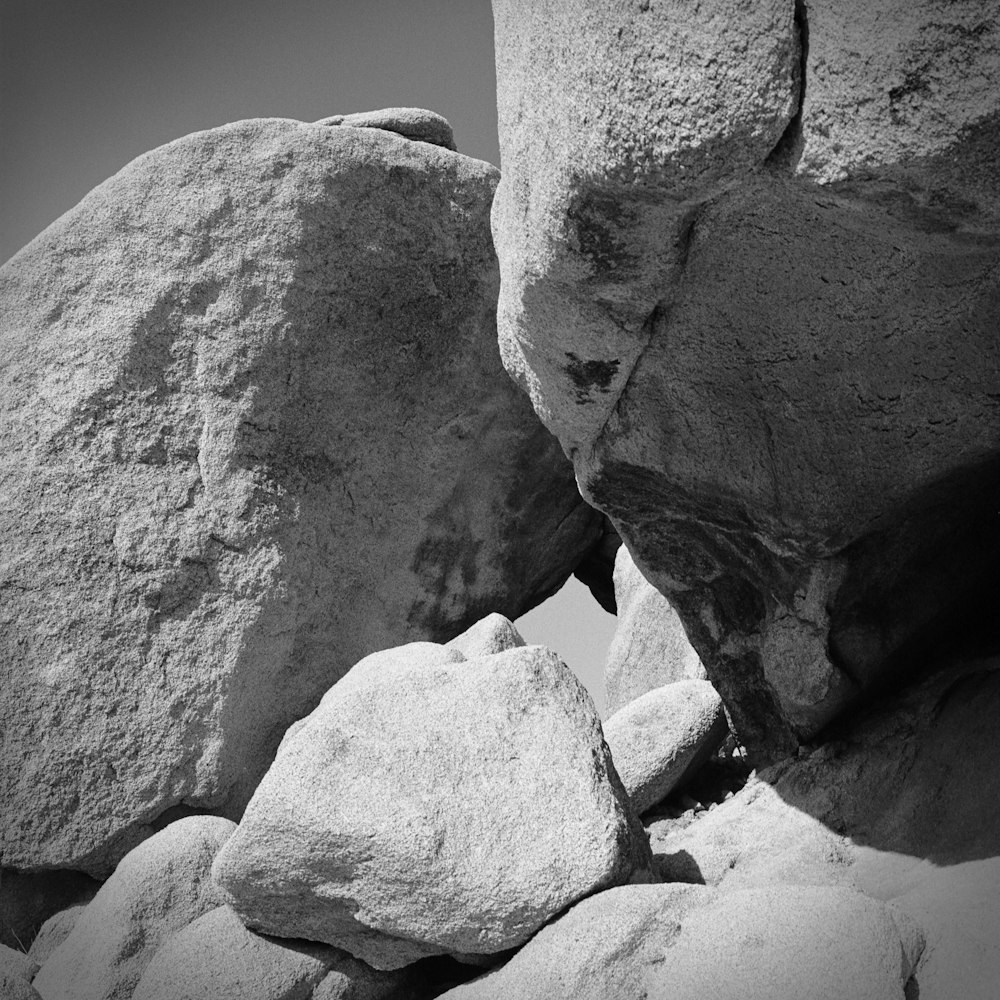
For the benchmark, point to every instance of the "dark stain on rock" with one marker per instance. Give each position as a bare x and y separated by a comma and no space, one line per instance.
599,220
590,375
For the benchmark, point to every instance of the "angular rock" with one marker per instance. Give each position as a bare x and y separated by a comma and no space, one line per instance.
417,124
53,932
256,428
493,634
662,738
597,568
158,888
216,958
17,964
688,943
904,806
650,647
435,808
781,389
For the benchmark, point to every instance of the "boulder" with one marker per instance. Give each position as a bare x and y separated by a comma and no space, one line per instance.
216,958
688,943
158,888
659,740
493,634
448,808
417,124
650,647
750,280
904,805
256,428
54,931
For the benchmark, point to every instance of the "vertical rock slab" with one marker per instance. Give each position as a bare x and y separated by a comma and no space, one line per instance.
749,259
649,647
255,428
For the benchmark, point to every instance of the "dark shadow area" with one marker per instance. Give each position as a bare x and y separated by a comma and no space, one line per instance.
28,899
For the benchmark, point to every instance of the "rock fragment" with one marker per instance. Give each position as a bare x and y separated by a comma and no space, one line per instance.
417,124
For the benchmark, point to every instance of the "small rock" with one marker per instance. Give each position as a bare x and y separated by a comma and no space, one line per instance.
15,988
54,931
157,888
492,634
17,964
448,808
660,739
217,958
411,123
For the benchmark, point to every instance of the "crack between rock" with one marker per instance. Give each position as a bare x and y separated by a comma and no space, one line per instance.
658,312
788,149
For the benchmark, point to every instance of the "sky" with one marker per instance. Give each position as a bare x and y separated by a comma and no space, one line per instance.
88,85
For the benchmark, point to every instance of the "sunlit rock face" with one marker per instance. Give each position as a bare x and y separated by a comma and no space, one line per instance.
255,427
749,259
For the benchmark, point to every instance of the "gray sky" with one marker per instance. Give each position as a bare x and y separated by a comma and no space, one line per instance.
87,85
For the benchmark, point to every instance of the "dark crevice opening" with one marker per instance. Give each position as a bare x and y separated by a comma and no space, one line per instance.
788,151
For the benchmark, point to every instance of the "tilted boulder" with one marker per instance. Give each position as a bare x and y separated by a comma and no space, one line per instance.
650,647
659,740
674,942
255,428
749,279
448,808
158,888
217,958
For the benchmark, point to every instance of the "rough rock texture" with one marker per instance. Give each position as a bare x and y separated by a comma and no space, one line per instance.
411,123
749,259
435,808
27,900
158,888
217,958
662,738
688,943
493,634
53,932
14,988
905,806
17,964
255,428
650,647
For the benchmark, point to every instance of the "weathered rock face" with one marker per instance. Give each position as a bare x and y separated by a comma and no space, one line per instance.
429,808
255,427
650,647
904,805
417,124
686,943
160,887
749,277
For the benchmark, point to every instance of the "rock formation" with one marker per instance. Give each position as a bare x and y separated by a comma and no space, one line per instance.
255,427
749,277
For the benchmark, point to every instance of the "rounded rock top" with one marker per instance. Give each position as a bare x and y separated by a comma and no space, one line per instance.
412,123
